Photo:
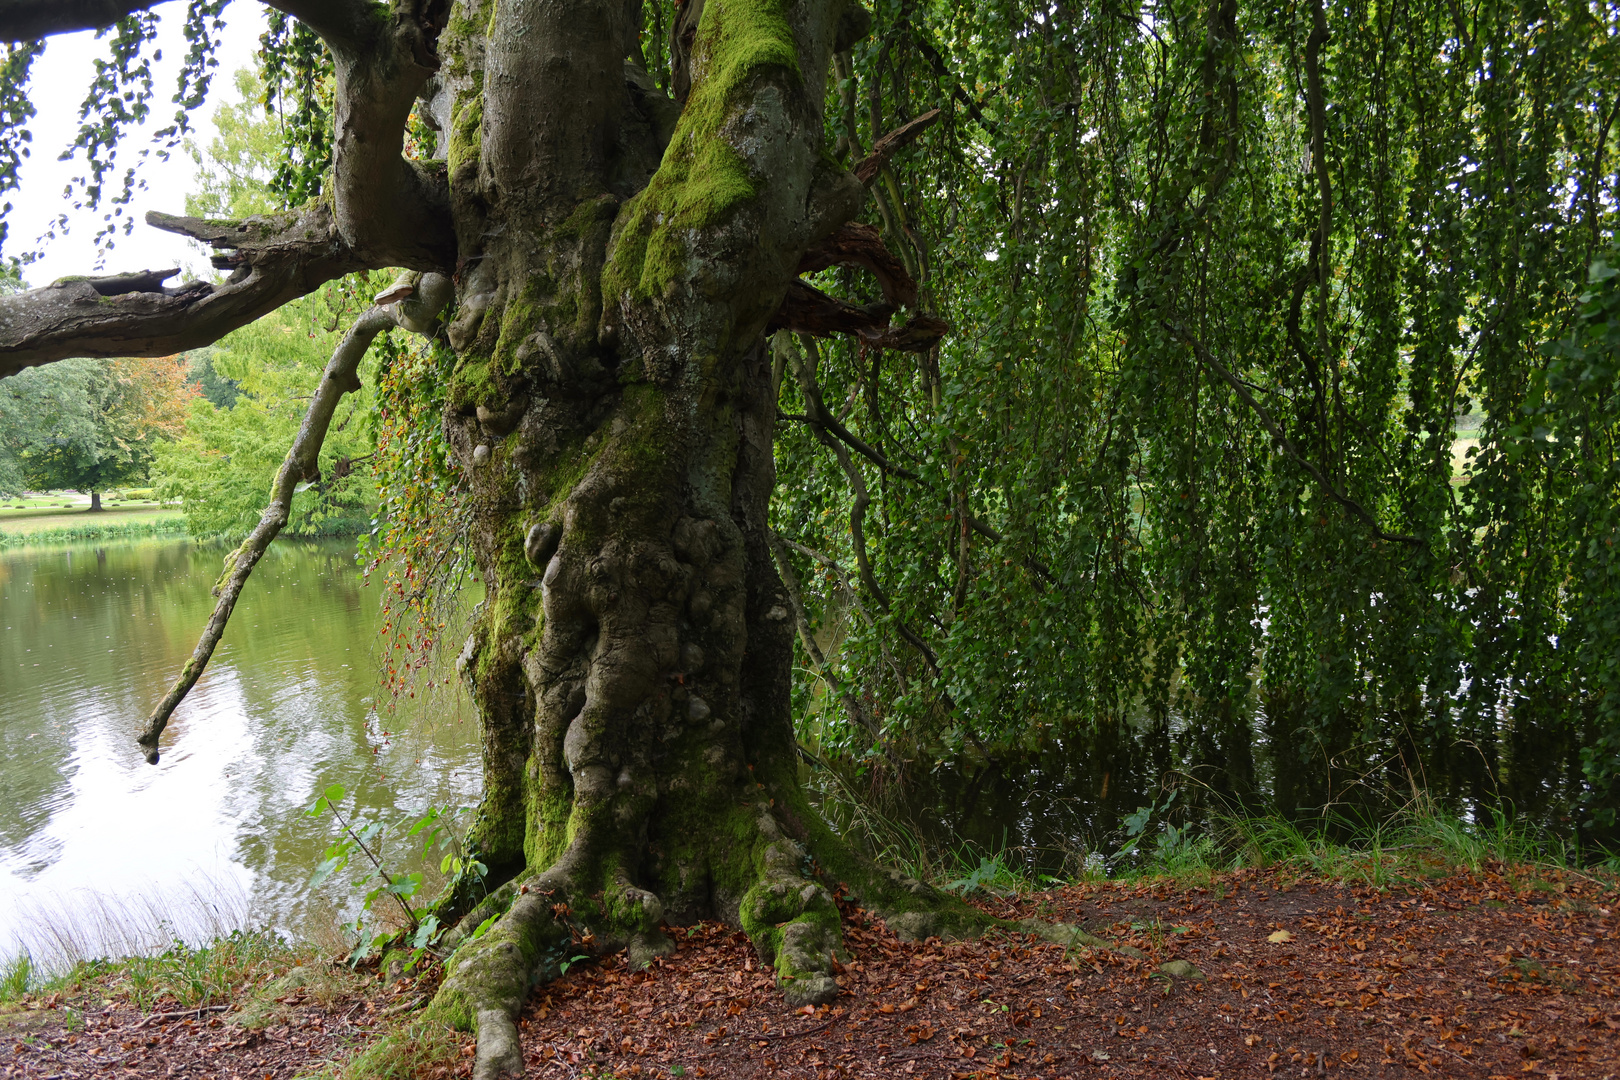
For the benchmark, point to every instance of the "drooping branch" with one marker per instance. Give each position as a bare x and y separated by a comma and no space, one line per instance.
275,258
1289,447
302,463
812,648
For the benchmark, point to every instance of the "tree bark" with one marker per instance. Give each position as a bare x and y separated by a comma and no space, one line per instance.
95,502
612,410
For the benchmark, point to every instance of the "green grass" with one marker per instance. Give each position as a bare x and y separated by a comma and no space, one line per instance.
181,976
415,1047
79,525
1407,845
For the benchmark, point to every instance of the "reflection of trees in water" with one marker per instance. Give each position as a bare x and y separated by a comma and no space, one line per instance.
282,712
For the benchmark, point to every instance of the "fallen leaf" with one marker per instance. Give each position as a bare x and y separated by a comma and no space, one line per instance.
1279,937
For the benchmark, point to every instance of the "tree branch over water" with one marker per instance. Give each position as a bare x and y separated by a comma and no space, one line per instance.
302,463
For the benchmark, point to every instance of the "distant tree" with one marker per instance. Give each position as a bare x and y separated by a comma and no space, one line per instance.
234,169
102,424
252,391
37,406
218,389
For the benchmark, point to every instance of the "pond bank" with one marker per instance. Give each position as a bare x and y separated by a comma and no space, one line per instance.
1471,973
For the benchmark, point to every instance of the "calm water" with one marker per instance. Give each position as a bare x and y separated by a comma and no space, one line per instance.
90,835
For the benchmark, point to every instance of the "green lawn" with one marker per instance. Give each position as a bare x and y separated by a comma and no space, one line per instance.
23,524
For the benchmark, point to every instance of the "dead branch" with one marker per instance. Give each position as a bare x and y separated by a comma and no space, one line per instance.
276,258
868,168
302,463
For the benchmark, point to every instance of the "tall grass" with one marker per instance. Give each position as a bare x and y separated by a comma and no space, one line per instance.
190,947
63,931
1409,843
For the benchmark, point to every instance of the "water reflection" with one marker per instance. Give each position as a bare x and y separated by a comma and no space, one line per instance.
90,636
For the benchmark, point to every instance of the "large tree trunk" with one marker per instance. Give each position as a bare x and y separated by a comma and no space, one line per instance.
616,258
613,410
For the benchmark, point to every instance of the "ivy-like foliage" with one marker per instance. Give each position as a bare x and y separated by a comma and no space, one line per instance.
15,111
1248,302
298,86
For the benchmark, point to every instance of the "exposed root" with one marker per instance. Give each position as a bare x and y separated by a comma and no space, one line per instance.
587,906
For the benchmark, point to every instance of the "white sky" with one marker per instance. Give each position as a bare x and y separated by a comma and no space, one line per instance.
60,79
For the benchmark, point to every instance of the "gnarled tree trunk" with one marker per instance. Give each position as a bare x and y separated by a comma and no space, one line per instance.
617,258
613,408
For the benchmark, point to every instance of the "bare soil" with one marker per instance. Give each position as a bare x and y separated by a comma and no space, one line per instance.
1469,975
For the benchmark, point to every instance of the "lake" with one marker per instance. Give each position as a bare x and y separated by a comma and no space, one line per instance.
97,848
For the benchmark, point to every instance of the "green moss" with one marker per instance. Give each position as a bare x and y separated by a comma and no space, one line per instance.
472,383
466,133
450,1008
702,178
550,825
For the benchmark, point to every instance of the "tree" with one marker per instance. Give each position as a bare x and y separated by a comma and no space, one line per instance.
37,407
617,258
1223,276
89,425
217,468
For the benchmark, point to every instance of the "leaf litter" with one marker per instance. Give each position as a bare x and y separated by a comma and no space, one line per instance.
1472,975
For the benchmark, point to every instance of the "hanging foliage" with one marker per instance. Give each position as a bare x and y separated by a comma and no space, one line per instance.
1244,441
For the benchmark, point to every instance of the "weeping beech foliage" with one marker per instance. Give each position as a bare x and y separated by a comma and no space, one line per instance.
1274,433
1226,280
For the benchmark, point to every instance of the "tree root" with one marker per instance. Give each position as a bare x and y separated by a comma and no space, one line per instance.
575,909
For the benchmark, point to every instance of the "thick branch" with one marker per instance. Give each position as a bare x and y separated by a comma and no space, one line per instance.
302,463
807,309
394,211
26,20
350,25
855,244
277,258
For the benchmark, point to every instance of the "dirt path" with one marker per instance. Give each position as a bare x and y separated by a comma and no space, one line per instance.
1467,977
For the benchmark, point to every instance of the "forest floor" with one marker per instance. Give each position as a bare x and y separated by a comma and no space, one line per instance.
1470,974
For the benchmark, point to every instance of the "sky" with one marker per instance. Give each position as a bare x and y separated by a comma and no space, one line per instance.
60,80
